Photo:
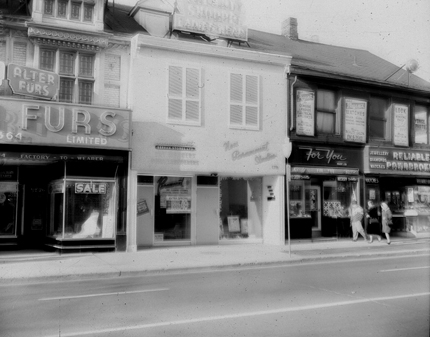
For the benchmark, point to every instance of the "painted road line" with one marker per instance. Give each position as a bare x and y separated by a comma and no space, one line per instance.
102,294
403,269
235,316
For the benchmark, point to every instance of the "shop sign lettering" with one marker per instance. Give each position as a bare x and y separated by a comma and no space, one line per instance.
90,188
324,154
32,82
355,120
392,160
305,113
56,124
401,125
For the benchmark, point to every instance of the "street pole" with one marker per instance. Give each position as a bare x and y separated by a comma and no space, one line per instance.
288,207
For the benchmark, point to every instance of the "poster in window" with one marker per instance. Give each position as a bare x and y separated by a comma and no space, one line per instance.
305,113
178,204
233,223
142,207
355,121
401,125
421,127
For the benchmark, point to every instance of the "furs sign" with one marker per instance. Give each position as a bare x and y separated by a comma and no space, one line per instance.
32,82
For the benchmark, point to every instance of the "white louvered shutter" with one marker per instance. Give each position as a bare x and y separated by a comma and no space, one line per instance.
244,101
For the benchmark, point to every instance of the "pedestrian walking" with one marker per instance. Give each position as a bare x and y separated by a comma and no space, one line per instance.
373,222
386,220
356,215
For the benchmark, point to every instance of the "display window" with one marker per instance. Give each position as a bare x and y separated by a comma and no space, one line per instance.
241,208
8,208
82,209
301,201
173,202
338,195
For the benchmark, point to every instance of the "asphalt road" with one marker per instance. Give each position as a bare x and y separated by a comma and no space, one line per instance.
373,297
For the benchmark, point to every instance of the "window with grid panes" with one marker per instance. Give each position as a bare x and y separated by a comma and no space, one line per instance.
379,119
244,101
327,117
184,95
78,10
76,72
421,124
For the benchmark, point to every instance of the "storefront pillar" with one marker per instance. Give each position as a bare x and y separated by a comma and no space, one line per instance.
273,206
131,212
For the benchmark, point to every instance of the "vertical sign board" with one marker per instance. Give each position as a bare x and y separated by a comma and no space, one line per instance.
401,125
355,121
305,113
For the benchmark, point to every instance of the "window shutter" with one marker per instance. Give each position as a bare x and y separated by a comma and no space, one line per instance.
244,101
184,94
251,101
236,98
192,95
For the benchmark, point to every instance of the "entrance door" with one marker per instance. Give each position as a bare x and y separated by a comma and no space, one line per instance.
145,215
208,221
313,198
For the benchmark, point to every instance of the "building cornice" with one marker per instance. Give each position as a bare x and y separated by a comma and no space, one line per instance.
48,35
144,41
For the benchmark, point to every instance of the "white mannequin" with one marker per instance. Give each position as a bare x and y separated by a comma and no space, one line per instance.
89,227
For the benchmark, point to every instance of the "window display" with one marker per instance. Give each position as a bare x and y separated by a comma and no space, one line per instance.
299,205
172,209
90,209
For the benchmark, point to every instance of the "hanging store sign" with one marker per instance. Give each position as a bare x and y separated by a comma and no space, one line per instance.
355,125
218,18
305,113
32,82
401,125
42,123
398,161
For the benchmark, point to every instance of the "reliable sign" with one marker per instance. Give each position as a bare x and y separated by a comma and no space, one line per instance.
398,161
32,82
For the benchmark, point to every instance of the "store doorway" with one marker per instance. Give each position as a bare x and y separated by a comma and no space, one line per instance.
313,198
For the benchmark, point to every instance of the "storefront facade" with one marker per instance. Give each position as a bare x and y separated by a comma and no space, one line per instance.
216,173
324,181
409,197
63,175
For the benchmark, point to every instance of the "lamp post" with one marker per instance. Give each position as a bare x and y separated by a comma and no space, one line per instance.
286,149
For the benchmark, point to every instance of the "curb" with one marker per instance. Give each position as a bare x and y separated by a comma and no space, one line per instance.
294,260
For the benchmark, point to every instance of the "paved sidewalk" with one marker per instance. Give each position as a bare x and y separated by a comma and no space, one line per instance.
40,266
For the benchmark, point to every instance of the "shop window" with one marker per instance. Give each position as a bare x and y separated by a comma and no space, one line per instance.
76,72
77,10
241,208
184,104
83,209
172,209
8,208
421,124
244,101
299,199
327,117
337,197
379,119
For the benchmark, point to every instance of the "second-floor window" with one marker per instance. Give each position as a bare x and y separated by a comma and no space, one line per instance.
326,111
244,101
379,119
184,105
76,72
77,10
421,124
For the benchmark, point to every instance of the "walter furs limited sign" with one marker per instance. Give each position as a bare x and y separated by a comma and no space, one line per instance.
32,82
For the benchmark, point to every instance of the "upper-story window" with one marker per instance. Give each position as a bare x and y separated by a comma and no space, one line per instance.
327,116
78,10
379,118
76,70
184,104
244,101
421,124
